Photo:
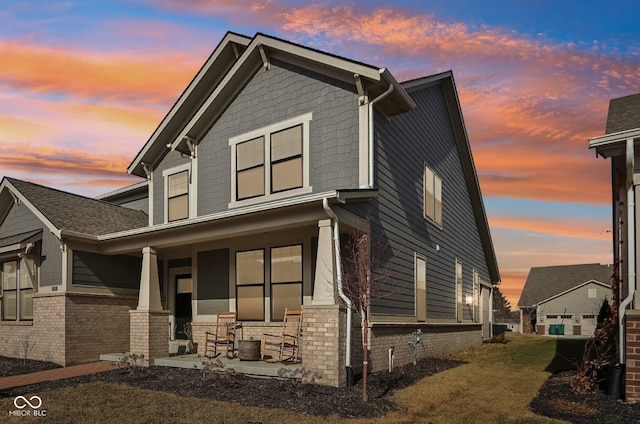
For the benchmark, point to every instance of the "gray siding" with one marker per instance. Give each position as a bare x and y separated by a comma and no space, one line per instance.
403,146
284,92
137,204
93,269
21,220
213,281
577,301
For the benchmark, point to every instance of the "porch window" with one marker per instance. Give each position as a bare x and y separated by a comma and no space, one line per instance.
178,196
432,196
17,293
286,279
250,285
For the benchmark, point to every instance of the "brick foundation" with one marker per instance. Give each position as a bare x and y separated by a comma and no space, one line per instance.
436,340
632,356
577,330
149,334
540,329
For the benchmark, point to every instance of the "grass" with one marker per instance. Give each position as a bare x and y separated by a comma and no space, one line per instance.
495,386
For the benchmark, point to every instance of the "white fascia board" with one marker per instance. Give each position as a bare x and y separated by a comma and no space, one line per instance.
54,230
573,289
222,215
613,144
123,190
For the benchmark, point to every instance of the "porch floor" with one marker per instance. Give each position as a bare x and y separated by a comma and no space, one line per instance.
194,361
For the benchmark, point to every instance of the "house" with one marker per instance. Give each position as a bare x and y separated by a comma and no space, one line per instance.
620,144
250,185
564,299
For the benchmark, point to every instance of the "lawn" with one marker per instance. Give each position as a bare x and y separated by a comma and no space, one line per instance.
494,386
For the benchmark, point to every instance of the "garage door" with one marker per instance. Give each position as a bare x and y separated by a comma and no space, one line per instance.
588,324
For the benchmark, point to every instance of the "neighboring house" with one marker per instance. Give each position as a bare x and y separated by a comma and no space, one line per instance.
267,162
564,299
620,143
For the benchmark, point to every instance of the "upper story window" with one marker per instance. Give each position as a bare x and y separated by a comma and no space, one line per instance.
17,292
432,196
271,163
177,186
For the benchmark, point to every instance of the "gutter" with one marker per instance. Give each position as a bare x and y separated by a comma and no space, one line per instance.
631,243
371,132
347,301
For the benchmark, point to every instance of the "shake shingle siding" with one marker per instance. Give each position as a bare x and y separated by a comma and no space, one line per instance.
404,145
20,220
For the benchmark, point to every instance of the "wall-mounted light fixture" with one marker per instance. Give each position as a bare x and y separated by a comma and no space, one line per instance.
469,300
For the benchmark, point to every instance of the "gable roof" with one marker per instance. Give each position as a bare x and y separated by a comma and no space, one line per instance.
446,80
545,282
187,122
623,123
586,283
62,211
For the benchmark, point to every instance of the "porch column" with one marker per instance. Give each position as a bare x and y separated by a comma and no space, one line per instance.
149,298
149,324
324,283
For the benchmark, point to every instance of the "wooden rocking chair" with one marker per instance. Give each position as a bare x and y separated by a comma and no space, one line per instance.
223,338
284,346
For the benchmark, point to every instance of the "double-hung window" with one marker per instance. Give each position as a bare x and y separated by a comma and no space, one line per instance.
17,292
177,183
250,285
458,291
270,163
432,196
420,265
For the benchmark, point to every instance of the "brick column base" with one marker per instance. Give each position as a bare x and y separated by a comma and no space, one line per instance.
323,343
149,334
632,356
540,329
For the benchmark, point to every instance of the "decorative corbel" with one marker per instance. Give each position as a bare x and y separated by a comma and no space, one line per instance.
362,94
191,144
236,53
147,170
16,199
265,59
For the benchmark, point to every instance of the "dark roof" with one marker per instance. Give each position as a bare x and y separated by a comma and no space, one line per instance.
71,212
545,282
624,114
18,238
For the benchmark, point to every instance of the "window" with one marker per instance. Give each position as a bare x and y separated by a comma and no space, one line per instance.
179,193
17,292
476,296
250,285
270,163
458,291
421,288
432,196
286,279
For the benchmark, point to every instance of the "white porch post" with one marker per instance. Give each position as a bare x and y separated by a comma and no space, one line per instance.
149,298
324,284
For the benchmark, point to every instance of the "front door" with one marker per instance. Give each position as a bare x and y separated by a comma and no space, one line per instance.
183,314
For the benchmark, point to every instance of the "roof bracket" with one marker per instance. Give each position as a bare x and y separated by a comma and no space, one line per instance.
147,170
362,94
16,199
265,58
191,144
236,53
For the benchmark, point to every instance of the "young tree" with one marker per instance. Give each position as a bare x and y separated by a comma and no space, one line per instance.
364,273
501,306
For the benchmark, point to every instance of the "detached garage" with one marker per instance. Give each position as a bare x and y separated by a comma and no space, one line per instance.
564,300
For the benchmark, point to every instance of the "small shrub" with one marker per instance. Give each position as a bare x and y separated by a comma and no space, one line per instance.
498,338
216,371
133,364
24,348
300,381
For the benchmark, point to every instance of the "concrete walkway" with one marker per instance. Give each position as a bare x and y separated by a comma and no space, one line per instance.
55,374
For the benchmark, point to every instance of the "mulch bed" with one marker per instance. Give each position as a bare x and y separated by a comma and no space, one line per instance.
555,400
309,398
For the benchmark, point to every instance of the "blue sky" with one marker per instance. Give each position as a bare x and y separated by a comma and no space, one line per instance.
83,84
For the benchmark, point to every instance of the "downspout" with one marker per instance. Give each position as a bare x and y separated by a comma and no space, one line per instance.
631,246
371,142
347,301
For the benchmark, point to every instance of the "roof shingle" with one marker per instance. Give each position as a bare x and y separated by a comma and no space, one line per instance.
623,114
545,282
71,212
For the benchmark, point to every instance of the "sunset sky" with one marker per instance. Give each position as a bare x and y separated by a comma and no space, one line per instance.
84,83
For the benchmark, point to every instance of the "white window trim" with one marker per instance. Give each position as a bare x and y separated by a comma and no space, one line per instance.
266,133
424,200
416,257
192,189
